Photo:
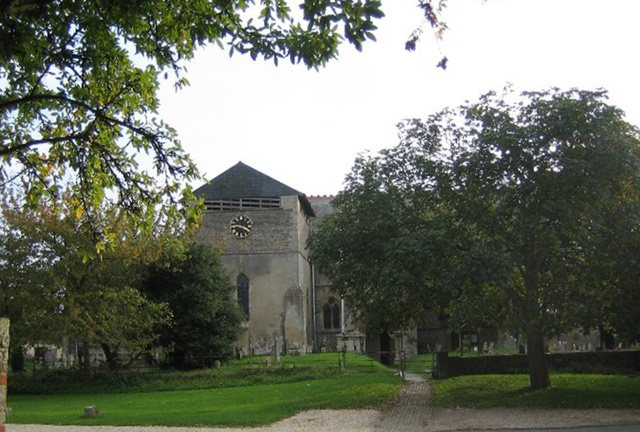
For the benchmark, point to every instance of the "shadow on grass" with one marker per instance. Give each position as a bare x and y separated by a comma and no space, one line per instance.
566,391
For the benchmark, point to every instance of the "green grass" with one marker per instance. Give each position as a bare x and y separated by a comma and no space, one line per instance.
248,371
566,391
313,384
247,393
238,406
420,363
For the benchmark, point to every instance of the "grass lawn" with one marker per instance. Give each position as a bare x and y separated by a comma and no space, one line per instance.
363,384
420,363
248,393
566,391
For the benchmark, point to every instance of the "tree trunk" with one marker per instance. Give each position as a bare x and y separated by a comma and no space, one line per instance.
110,355
538,371
606,338
85,365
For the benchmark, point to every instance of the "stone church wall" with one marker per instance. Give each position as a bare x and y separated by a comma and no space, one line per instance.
273,257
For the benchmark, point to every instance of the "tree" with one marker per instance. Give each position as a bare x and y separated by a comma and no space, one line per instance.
79,81
53,287
374,249
510,195
432,11
206,319
26,297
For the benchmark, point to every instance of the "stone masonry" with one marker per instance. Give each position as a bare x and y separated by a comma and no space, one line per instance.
4,362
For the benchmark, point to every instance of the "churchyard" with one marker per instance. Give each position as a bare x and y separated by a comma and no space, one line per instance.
253,391
262,390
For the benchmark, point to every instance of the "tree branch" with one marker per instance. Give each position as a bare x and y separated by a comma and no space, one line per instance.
18,148
98,112
57,97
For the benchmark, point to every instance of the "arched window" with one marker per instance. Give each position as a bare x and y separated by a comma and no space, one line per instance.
331,314
243,293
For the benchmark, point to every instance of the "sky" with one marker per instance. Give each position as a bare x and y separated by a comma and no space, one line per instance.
306,127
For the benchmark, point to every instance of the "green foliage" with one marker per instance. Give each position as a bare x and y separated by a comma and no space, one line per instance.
375,246
528,201
206,319
568,391
51,290
79,82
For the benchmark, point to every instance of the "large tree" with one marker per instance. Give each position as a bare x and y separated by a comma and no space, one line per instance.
206,318
79,81
515,197
53,287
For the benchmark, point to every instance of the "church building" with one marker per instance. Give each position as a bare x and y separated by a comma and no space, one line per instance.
260,227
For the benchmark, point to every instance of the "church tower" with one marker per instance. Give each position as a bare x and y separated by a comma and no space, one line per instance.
260,227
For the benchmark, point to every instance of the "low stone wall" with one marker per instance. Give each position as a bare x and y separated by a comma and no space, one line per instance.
607,362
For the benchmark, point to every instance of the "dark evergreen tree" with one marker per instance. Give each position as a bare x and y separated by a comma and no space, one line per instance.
206,318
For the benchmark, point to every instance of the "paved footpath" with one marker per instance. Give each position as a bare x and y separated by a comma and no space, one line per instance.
410,410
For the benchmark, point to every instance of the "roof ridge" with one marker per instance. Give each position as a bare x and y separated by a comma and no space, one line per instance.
243,181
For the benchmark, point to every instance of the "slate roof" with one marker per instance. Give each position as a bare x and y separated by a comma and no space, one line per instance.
242,181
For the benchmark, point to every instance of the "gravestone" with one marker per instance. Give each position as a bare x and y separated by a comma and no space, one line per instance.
91,411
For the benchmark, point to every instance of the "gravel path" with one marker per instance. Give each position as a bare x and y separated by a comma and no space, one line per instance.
409,412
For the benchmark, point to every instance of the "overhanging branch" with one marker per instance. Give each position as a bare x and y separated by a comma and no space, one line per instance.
96,111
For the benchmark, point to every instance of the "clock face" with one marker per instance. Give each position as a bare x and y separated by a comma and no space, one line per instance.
241,226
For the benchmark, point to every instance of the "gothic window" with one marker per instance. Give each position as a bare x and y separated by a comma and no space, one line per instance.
331,314
243,293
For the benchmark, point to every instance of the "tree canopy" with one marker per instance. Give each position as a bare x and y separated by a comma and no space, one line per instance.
206,317
526,203
79,81
53,287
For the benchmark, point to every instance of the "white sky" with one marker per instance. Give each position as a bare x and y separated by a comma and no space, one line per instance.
305,127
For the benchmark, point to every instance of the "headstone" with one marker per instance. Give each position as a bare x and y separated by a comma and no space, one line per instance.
91,411
276,352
